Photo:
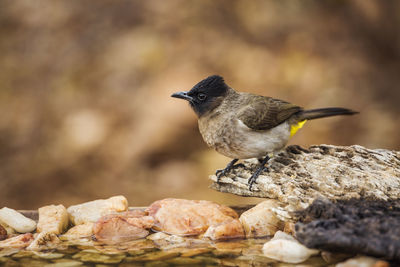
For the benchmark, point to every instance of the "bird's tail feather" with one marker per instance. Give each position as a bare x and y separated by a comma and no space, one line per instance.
324,112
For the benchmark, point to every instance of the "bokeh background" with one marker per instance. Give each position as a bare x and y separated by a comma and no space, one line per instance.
85,107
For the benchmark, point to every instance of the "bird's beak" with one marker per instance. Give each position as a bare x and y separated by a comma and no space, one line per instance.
183,95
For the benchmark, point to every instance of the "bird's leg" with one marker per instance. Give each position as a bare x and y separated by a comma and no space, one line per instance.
255,175
231,165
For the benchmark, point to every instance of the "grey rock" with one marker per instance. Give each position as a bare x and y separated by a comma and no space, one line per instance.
297,176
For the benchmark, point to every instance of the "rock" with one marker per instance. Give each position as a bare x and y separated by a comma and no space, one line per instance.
158,236
297,176
52,219
289,228
44,241
369,227
16,220
226,230
332,257
363,261
3,233
261,220
285,248
79,231
9,230
192,217
19,241
93,210
122,227
161,239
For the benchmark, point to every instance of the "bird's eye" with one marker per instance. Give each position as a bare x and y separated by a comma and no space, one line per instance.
201,96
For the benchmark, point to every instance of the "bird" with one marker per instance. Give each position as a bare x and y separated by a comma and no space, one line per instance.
242,125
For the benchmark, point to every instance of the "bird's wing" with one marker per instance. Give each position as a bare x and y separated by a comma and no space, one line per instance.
263,113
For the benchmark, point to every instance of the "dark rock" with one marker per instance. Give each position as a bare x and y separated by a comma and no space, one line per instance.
369,227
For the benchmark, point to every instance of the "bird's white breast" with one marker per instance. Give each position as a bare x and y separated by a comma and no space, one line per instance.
257,144
232,138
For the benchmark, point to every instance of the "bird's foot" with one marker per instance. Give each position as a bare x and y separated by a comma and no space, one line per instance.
231,165
260,169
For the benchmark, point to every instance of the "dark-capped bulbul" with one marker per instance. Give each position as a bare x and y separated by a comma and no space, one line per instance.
242,125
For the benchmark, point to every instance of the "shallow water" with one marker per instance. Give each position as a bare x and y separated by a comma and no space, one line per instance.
145,252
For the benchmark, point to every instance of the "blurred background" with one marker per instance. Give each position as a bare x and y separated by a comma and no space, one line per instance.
85,106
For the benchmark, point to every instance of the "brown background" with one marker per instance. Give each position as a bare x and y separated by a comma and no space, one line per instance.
85,107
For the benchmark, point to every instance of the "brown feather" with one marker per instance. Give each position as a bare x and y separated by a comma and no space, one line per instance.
263,113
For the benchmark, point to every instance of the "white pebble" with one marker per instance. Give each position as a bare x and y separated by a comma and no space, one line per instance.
16,220
285,248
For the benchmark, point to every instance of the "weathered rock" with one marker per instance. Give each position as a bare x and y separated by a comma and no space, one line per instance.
16,220
93,210
363,261
297,176
44,241
79,231
19,241
285,248
52,219
261,220
191,217
356,226
3,233
122,227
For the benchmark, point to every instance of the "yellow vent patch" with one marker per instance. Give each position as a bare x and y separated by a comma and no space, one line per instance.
295,127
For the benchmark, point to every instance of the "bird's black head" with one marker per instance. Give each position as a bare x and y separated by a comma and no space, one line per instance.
206,95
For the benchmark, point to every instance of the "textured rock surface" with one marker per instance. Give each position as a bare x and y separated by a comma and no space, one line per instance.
297,176
52,219
44,241
356,226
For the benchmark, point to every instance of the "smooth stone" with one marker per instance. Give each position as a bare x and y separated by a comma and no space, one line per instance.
286,248
261,220
17,221
93,210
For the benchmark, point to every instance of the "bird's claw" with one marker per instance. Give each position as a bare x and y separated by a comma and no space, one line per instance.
251,182
220,173
228,168
253,178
